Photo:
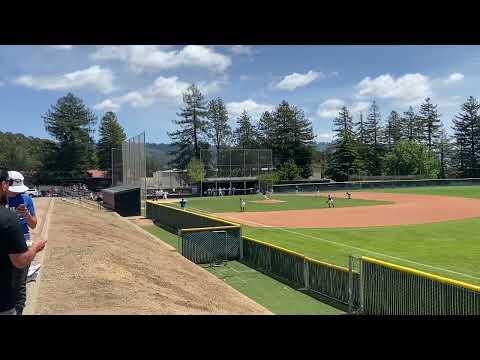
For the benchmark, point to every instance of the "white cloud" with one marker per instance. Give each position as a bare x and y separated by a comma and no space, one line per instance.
106,105
253,109
157,57
408,89
325,137
295,80
359,106
61,47
455,77
163,89
94,77
241,50
329,108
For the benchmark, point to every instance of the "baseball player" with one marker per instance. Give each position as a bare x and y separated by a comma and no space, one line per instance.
330,201
242,205
349,195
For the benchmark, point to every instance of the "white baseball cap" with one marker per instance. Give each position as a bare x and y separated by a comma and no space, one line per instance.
18,186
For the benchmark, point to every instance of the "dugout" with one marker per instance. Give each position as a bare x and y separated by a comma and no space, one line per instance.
125,200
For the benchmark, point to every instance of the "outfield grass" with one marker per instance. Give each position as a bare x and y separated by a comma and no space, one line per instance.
460,191
291,202
447,246
272,294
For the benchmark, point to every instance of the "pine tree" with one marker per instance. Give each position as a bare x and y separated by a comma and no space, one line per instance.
219,130
188,140
344,158
467,138
412,128
393,130
361,131
444,152
71,124
431,123
267,130
246,134
373,140
112,136
293,137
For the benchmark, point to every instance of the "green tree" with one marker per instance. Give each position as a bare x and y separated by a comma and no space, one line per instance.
293,137
466,126
188,140
373,140
362,146
431,123
288,171
411,158
267,130
245,133
445,154
196,170
412,126
345,155
219,130
393,129
71,124
112,136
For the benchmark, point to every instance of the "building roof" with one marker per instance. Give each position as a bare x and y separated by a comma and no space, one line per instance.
97,173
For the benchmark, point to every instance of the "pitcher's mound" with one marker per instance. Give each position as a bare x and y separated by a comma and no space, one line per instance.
271,201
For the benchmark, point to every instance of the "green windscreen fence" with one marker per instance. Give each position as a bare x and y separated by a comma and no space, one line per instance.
390,289
174,219
209,245
334,282
302,273
285,266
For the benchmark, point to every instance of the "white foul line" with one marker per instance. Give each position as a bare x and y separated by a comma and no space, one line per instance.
360,249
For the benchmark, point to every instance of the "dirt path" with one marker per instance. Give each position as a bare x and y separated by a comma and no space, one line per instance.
98,264
407,209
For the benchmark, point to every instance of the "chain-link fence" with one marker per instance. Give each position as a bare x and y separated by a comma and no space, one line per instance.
129,165
242,169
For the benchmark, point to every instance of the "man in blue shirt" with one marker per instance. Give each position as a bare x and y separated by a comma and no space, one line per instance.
23,206
13,250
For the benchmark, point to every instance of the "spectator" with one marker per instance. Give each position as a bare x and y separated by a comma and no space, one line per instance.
23,205
14,252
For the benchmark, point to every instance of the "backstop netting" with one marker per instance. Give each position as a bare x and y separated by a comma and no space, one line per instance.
389,289
129,165
237,165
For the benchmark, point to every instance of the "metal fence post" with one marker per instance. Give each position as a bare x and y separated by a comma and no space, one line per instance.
306,274
350,284
362,282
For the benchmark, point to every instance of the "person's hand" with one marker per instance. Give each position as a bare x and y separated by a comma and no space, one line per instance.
39,245
22,210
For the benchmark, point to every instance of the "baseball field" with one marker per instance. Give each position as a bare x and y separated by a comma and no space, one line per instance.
431,229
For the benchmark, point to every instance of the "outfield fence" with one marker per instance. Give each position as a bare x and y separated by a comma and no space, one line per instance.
389,289
316,278
359,185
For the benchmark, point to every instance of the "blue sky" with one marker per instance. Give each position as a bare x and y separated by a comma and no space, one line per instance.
143,84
